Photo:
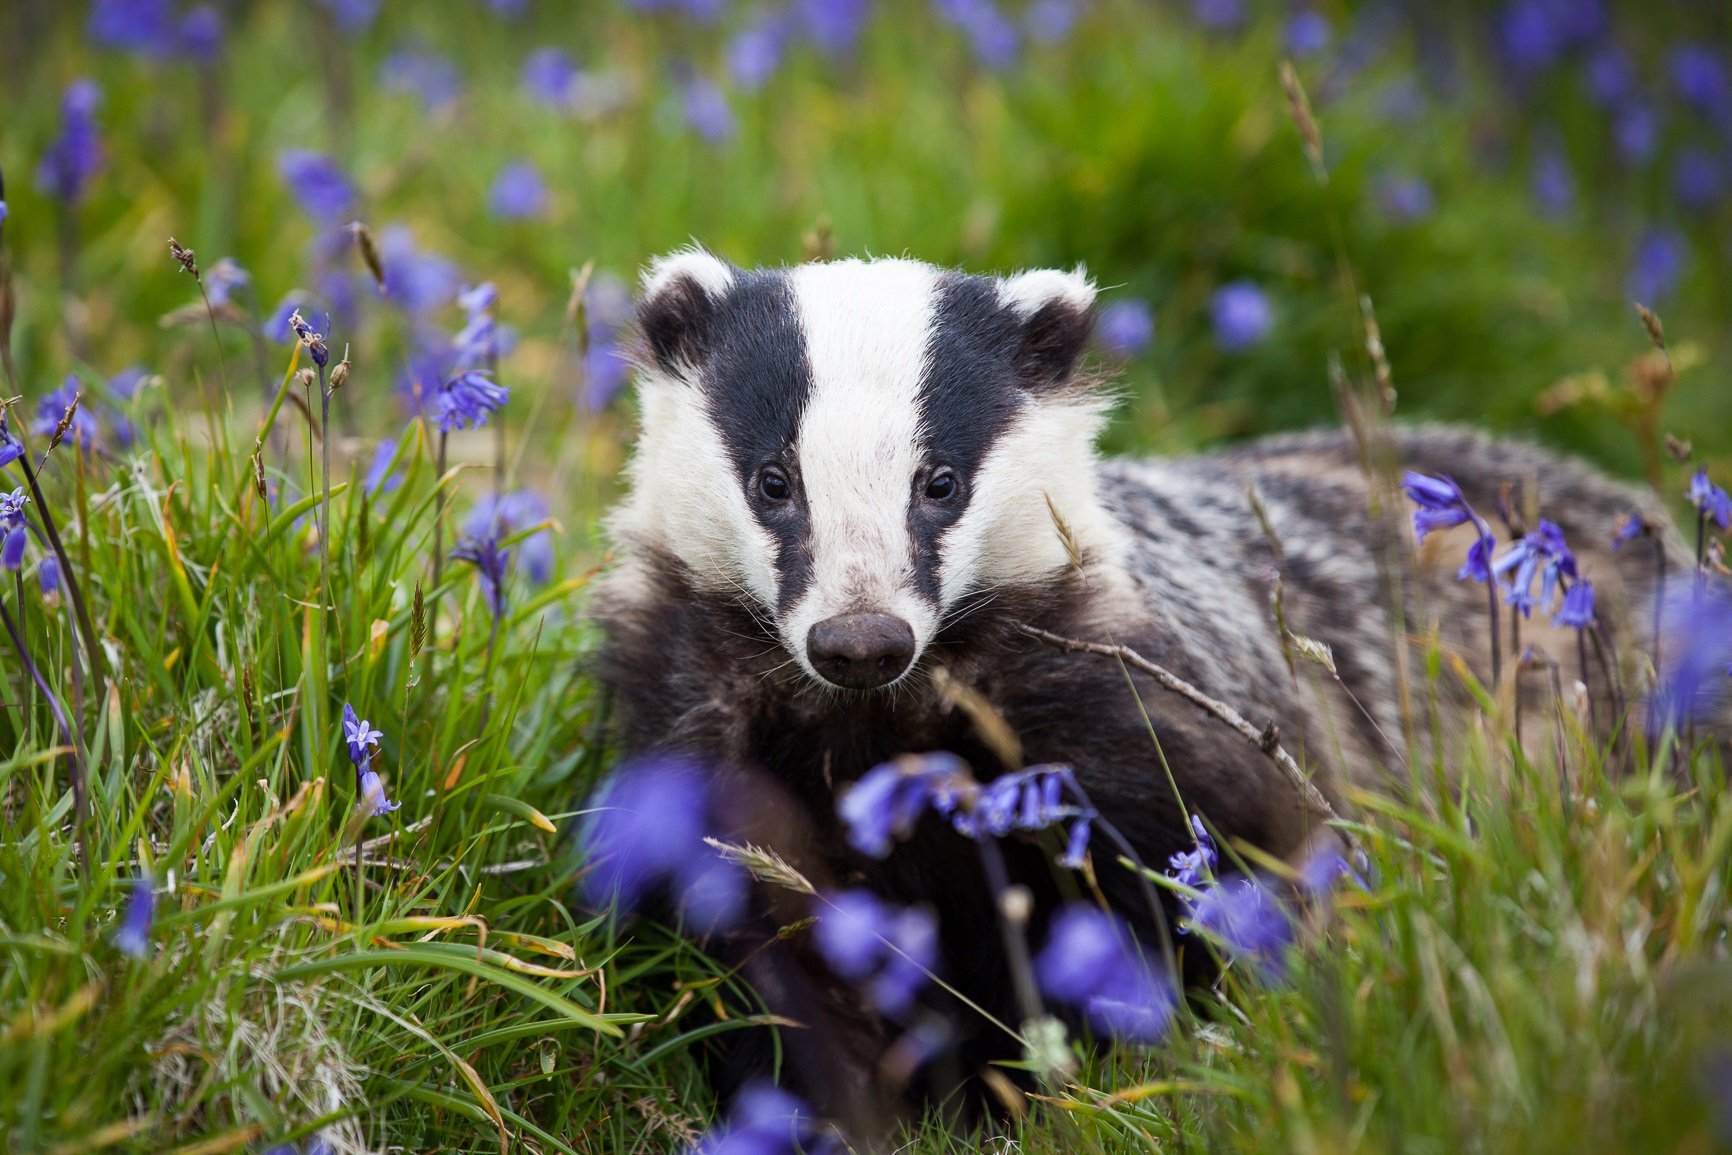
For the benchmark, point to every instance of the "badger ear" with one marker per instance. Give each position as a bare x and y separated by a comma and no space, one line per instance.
677,310
1056,310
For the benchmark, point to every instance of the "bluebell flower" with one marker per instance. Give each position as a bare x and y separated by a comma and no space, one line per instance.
1241,314
550,76
1698,178
1630,526
490,560
1540,554
1126,327
363,742
353,15
1553,184
833,25
518,192
318,183
510,515
362,738
887,951
52,409
414,71
1308,33
75,157
644,831
1196,866
373,799
1635,132
1051,21
48,575
889,799
1577,610
132,937
1658,265
311,339
1442,505
141,27
1529,35
1404,197
1028,799
465,400
11,449
13,531
1092,961
1697,626
222,279
1244,916
1709,499
276,327
1700,78
1326,867
382,476
991,35
1219,15
201,34
1609,75
755,52
766,1120
706,109
418,281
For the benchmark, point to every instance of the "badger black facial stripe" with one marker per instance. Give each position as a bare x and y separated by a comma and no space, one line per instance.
757,381
968,395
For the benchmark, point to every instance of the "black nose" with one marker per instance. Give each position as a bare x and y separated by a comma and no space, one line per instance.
861,651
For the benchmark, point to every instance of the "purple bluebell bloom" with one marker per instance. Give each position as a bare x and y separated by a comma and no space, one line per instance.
833,25
222,279
889,799
465,400
76,154
1126,327
132,937
48,574
1027,799
1404,197
382,477
201,34
991,35
11,449
1541,554
1553,184
510,9
1442,505
312,340
706,109
1630,526
518,193
1577,609
363,742
430,77
766,1120
141,27
755,52
1051,21
886,951
1698,178
1699,76
276,327
1709,499
362,738
1092,961
14,534
1242,315
645,830
418,281
606,368
1658,265
477,343
1635,132
550,76
319,183
1530,36
1609,75
513,514
1697,626
373,798
353,15
1196,866
52,408
1219,15
1244,916
1308,33
490,560
1326,867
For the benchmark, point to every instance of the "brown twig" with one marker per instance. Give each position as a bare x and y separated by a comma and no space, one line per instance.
1267,739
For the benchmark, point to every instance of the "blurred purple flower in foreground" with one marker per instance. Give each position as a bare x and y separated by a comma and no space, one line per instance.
833,25
1658,265
132,937
1242,315
756,51
1697,628
550,76
141,27
991,35
381,477
1404,197
1700,78
429,76
1308,33
201,34
490,560
1609,75
1698,178
1709,499
318,183
645,830
1553,184
887,951
1050,21
518,192
353,15
418,281
510,515
1244,916
1126,327
766,1120
222,279
52,408
76,154
1219,15
465,400
706,109
1635,132
1091,961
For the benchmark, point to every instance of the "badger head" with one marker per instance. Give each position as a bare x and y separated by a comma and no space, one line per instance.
861,450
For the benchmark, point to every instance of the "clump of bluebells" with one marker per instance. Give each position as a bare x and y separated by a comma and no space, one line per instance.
887,951
766,1120
363,742
1092,961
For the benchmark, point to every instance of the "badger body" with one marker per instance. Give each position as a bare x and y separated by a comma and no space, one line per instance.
854,474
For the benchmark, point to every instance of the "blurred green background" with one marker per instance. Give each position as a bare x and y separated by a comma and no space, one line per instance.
1502,181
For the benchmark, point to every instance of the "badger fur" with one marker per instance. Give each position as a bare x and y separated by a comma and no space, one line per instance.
852,474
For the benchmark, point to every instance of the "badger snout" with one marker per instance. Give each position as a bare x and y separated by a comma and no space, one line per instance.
860,651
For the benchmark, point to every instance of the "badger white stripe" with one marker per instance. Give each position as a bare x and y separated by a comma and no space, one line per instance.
865,327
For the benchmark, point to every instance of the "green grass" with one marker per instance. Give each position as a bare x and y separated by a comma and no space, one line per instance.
1532,970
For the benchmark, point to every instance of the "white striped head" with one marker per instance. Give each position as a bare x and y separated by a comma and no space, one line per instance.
861,449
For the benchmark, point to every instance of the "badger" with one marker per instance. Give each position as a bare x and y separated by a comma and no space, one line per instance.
854,475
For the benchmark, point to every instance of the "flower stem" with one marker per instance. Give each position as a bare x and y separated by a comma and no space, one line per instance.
325,598
80,786
438,539
69,576
1015,948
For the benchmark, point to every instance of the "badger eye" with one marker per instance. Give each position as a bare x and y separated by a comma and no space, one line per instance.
942,486
773,484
